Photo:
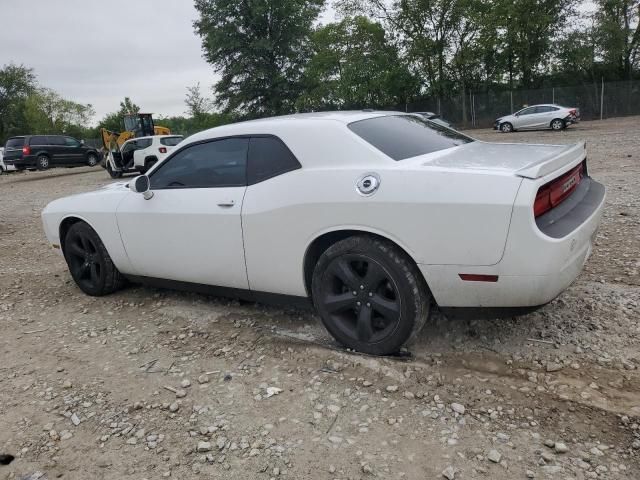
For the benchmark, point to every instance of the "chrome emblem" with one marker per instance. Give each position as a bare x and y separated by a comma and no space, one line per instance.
368,184
568,184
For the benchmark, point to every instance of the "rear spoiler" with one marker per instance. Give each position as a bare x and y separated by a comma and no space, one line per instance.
552,163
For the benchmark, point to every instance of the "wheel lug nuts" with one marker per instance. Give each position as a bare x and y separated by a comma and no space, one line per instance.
358,303
368,304
361,287
371,294
355,293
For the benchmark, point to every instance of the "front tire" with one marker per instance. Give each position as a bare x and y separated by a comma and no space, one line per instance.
369,294
92,160
506,127
557,124
42,162
89,262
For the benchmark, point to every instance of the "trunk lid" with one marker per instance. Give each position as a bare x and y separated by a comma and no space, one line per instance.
523,160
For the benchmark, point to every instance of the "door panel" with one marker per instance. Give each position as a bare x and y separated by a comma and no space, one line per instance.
57,150
74,153
190,235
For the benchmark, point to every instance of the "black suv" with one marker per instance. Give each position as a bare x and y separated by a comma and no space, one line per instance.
45,151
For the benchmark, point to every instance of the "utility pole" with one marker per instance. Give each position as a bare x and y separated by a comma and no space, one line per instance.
602,99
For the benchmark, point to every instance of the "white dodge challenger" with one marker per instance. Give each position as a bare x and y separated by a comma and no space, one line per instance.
374,216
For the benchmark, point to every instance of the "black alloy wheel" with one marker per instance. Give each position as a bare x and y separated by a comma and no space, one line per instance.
89,262
369,294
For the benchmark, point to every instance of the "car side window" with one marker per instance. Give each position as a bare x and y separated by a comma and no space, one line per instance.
55,140
217,163
269,157
38,140
71,142
143,143
527,111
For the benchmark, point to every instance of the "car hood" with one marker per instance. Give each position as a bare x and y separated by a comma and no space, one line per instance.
525,160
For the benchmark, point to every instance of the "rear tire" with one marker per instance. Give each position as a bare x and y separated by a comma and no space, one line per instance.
557,124
89,262
506,127
42,162
369,294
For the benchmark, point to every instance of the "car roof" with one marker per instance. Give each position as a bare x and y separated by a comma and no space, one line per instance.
268,124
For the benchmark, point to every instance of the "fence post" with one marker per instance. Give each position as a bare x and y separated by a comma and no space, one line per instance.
553,95
511,94
602,99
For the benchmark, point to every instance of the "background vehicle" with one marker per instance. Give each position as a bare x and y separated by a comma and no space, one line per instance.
434,117
371,214
137,125
46,151
536,117
140,154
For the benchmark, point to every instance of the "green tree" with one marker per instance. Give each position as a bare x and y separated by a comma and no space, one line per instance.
197,104
48,113
16,83
115,121
260,48
354,66
618,35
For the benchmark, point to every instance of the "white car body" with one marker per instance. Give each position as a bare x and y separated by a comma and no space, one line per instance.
537,117
3,166
147,151
465,210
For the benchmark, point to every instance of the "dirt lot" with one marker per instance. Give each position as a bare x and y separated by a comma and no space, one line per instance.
149,384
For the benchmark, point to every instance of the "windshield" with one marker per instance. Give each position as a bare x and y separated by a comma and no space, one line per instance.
406,136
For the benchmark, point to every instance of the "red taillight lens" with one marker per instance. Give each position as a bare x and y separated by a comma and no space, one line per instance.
163,150
26,150
573,112
555,192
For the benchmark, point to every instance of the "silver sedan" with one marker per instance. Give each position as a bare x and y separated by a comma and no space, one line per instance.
538,117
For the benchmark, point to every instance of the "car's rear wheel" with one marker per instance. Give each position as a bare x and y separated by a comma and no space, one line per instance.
557,124
92,160
506,127
89,262
42,162
370,296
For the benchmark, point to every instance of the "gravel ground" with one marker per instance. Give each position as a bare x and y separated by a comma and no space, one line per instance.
147,383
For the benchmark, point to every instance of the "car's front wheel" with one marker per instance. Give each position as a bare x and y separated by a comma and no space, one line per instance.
89,262
370,296
557,124
506,127
92,160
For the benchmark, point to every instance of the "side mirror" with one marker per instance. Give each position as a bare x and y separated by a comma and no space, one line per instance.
142,185
82,142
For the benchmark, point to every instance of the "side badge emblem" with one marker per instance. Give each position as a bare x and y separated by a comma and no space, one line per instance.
368,184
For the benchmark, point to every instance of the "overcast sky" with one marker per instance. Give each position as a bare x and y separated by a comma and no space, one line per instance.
97,52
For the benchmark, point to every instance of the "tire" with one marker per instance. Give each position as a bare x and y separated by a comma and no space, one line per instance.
112,172
370,296
92,160
89,262
148,163
42,162
557,124
506,127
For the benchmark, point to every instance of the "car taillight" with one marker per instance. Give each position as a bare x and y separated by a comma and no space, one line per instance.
555,192
573,112
26,150
163,150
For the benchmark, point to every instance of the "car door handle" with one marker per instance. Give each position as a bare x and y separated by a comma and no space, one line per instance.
226,203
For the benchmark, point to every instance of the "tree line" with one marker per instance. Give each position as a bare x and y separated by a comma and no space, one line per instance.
274,58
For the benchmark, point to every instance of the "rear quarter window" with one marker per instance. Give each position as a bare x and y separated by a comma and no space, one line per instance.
171,141
406,136
268,158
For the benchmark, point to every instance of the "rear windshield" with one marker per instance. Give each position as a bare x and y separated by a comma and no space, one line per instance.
406,136
171,141
15,142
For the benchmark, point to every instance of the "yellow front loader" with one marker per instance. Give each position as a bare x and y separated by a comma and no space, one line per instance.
135,125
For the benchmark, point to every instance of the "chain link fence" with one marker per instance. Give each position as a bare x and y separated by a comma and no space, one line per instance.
479,110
